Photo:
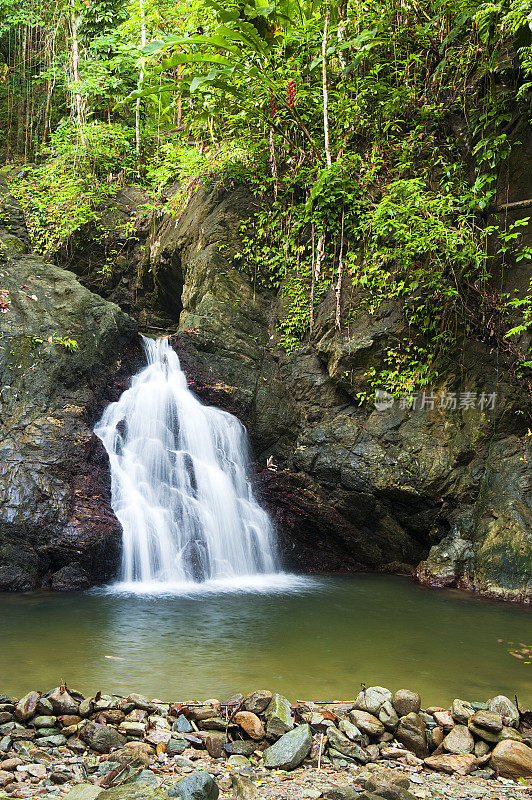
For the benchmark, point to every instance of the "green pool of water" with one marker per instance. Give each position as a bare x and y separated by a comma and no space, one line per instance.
318,642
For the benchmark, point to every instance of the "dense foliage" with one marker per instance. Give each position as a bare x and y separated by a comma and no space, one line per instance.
374,136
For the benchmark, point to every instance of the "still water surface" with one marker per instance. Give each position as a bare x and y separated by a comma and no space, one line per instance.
319,641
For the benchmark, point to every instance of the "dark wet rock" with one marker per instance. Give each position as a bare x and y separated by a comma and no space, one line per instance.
54,495
412,732
62,702
240,747
257,702
198,786
182,725
72,577
355,488
290,750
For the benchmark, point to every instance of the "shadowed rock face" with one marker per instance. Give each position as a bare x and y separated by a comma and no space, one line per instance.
56,525
355,487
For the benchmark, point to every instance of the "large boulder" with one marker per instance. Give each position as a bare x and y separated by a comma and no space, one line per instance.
290,750
60,366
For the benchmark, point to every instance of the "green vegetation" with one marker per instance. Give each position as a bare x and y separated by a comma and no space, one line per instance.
373,137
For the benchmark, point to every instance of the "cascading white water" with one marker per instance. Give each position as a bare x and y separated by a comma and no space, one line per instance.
178,482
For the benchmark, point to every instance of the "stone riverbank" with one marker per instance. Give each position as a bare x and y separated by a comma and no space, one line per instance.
377,746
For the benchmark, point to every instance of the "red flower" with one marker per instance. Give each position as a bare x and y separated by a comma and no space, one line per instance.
291,93
272,107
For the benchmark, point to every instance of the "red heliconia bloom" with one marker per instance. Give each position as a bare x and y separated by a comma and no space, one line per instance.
291,93
272,107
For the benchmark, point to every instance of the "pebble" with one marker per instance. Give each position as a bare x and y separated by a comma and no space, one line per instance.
258,736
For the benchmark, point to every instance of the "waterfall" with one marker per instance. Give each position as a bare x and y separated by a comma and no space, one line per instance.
179,484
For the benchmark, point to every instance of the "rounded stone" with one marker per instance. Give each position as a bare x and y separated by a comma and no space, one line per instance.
512,759
198,786
372,699
503,705
461,711
406,702
251,724
366,722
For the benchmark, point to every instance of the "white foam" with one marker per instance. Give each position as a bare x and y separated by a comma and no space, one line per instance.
273,583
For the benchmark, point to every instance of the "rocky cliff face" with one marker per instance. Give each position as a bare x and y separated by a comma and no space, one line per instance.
355,486
444,491
60,351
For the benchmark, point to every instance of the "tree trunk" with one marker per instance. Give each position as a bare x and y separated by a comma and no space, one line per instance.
342,12
338,289
141,78
78,100
324,80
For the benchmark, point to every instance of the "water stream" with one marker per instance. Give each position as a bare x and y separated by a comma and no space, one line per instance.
180,487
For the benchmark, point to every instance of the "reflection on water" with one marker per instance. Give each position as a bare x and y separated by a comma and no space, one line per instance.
319,641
